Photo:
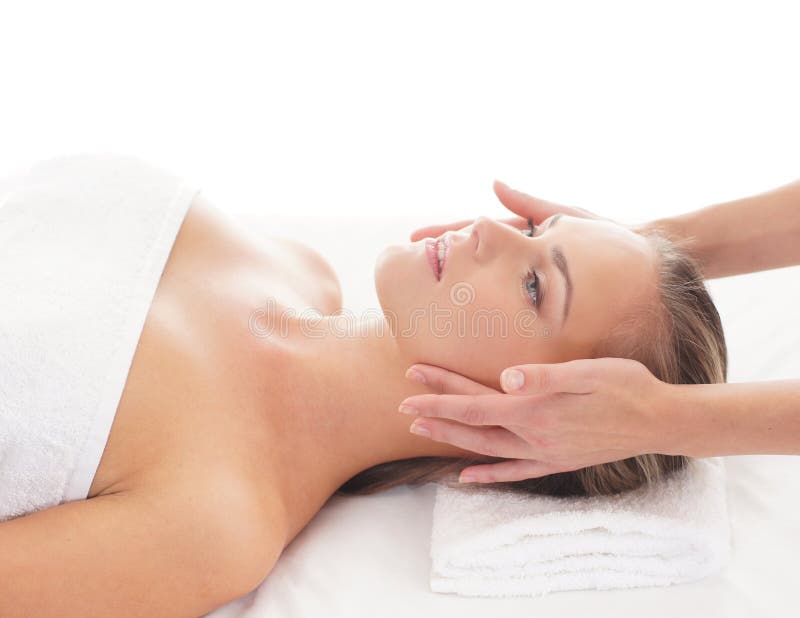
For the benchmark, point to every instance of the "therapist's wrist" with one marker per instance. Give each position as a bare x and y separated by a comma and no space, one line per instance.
689,231
670,429
691,424
673,228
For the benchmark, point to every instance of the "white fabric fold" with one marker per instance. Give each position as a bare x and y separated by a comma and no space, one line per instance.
488,542
83,242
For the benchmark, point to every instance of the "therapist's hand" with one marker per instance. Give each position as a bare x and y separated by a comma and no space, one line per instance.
523,205
563,417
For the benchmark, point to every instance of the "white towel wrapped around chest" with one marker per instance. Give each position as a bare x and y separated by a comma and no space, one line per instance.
486,542
83,242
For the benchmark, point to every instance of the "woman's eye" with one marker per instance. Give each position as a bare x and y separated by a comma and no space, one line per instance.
531,284
531,281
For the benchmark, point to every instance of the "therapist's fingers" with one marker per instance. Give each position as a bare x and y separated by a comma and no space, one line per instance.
497,409
524,205
490,441
575,376
507,471
433,231
443,381
528,206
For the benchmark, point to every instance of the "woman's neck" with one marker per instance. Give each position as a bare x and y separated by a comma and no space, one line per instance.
332,391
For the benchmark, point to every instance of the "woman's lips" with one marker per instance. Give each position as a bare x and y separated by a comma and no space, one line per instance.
433,248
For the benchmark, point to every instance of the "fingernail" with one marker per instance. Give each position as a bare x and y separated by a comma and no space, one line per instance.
512,379
466,478
413,374
406,409
420,430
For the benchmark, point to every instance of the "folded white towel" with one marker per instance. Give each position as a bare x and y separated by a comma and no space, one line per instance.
486,542
83,242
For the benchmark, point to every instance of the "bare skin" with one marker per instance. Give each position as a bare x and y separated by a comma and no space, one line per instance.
206,398
224,444
561,415
229,437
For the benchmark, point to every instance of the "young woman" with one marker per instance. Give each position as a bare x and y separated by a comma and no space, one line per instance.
252,398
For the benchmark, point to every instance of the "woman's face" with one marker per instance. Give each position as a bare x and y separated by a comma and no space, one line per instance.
504,298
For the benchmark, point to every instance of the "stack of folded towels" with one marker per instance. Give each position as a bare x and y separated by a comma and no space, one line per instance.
489,542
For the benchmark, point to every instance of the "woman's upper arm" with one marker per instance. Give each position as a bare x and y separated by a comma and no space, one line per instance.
122,555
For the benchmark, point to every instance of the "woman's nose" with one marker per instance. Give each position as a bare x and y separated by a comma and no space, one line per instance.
492,236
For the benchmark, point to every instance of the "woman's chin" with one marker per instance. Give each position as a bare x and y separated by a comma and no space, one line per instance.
382,262
392,275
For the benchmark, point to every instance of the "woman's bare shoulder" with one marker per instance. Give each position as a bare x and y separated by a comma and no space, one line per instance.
304,267
320,278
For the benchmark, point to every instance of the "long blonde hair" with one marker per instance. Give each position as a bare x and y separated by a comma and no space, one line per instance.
679,339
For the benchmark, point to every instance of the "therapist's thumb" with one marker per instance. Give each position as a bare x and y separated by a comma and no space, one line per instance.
527,206
569,377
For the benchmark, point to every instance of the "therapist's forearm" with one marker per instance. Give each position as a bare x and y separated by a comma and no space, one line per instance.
754,233
735,419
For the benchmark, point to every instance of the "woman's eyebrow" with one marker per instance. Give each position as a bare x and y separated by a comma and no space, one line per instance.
552,221
561,263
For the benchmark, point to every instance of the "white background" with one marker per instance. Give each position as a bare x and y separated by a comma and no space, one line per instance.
631,109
